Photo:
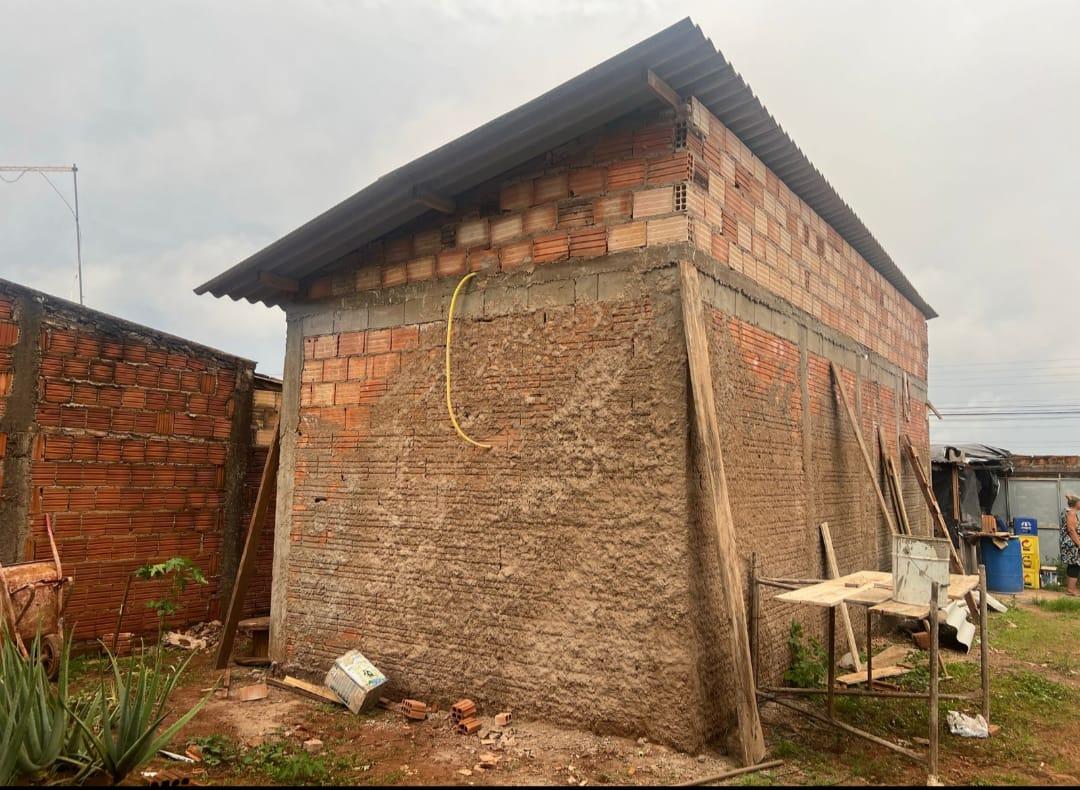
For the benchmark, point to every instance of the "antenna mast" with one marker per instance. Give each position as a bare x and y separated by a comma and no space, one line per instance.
43,169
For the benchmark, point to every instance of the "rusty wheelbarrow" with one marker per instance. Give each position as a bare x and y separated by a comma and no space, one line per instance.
33,596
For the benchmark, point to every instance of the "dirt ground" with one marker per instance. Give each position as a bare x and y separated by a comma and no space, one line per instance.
1035,690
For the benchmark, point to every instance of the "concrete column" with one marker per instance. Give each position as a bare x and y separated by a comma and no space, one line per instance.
21,429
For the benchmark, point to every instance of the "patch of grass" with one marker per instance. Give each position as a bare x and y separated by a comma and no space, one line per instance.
395,777
760,779
1025,687
1059,605
787,749
285,765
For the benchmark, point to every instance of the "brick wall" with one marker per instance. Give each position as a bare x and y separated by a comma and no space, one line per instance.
651,180
132,450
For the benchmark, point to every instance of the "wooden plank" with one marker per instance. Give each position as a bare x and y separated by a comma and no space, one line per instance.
750,737
936,516
664,92
251,549
279,283
898,609
834,571
855,678
892,481
862,447
826,595
310,690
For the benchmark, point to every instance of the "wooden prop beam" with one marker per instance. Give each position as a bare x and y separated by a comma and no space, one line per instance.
892,482
750,737
664,92
279,283
426,197
834,572
251,549
862,447
936,515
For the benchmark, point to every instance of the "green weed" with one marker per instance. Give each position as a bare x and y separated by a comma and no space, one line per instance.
808,662
215,749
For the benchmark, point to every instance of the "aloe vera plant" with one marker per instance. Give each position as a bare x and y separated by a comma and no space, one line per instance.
131,711
37,729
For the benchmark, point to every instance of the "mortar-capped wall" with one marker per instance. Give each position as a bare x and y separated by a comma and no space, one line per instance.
134,441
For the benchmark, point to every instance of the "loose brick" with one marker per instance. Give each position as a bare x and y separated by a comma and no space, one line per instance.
553,247
650,202
550,188
540,219
626,237
587,181
505,228
588,242
513,256
419,269
624,175
516,196
451,263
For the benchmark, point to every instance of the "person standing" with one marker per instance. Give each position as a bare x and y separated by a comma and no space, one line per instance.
1069,543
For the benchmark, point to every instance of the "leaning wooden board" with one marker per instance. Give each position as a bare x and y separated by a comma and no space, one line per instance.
750,736
854,422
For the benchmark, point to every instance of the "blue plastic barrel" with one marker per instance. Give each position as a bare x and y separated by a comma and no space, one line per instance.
1004,567
1023,525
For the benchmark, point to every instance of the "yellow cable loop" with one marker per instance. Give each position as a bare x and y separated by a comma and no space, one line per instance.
449,334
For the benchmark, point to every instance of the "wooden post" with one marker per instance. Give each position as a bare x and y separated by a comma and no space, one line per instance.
932,759
869,652
984,646
862,447
750,736
251,549
845,616
830,657
755,622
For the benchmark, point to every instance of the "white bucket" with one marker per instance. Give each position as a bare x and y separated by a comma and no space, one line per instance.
918,562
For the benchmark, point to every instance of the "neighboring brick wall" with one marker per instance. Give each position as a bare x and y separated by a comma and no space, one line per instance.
129,452
266,403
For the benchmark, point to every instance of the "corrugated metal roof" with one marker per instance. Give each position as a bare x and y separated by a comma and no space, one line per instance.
681,55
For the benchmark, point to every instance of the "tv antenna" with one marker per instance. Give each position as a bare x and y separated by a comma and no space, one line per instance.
43,170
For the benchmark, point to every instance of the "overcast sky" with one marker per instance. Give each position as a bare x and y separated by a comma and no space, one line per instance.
205,130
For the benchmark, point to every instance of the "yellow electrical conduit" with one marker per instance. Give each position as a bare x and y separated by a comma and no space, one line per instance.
449,335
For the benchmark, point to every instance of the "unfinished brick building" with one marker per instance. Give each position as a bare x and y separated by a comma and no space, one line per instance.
140,445
570,570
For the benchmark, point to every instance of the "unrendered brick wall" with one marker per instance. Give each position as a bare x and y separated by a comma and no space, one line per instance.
136,444
570,570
